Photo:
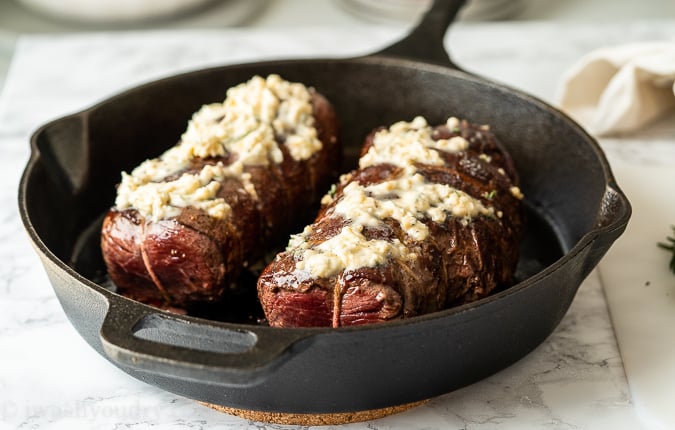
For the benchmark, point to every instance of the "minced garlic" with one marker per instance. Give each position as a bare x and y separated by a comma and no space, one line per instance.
515,192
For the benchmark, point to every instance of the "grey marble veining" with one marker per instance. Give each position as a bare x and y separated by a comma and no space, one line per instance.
50,378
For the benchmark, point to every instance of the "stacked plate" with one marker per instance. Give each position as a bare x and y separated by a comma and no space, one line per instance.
112,11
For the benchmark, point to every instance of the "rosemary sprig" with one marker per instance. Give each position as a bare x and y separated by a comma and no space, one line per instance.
670,246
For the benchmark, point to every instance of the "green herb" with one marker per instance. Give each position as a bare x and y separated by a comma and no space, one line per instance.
333,190
670,246
491,195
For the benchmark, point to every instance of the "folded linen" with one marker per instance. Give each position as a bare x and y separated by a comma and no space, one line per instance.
620,89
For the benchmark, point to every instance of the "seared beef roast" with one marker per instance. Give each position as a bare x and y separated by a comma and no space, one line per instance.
185,224
431,219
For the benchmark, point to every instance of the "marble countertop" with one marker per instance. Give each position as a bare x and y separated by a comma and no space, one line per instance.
50,378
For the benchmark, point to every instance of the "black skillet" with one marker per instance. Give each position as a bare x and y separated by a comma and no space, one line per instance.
575,212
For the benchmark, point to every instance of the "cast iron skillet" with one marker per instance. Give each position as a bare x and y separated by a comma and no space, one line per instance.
575,209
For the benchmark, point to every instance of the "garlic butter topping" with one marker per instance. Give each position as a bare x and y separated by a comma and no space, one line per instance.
407,198
164,199
349,250
245,126
407,143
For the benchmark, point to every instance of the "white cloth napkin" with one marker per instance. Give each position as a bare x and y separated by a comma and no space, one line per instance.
620,89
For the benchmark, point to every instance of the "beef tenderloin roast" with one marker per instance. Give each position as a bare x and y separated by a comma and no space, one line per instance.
431,219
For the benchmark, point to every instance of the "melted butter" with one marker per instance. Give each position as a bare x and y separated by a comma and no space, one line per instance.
245,126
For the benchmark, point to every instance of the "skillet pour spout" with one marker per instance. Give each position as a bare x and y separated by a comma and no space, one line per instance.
575,212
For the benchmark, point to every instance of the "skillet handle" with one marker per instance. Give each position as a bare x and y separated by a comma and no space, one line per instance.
425,41
64,152
140,338
612,219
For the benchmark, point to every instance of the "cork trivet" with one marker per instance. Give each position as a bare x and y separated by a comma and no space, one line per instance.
315,419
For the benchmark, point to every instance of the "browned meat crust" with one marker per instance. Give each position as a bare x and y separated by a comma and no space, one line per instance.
458,262
193,258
